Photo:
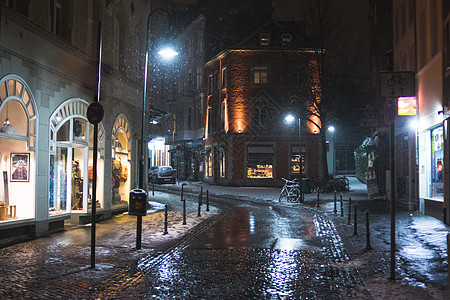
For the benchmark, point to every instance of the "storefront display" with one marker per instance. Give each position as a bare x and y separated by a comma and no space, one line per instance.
121,155
437,163
17,146
70,157
295,160
260,160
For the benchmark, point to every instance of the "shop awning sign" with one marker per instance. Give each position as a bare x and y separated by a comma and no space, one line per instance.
397,84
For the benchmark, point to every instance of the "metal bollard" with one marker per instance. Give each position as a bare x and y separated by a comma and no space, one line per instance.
335,208
199,205
368,246
317,203
355,220
349,217
342,207
182,190
207,200
201,195
165,219
184,211
153,189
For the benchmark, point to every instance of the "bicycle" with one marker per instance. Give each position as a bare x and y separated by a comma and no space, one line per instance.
291,190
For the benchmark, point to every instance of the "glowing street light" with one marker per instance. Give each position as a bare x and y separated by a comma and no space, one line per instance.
289,119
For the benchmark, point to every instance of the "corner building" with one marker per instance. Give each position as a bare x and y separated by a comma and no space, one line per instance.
250,89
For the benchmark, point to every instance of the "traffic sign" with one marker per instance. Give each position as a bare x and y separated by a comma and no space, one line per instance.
390,110
95,112
397,84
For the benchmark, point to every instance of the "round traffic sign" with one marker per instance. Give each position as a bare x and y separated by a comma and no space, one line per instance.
95,112
390,110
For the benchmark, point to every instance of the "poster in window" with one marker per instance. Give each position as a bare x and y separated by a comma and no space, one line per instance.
20,167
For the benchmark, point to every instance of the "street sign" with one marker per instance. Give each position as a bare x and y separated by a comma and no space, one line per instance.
95,112
397,84
390,110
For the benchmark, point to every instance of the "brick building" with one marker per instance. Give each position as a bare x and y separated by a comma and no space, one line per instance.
250,88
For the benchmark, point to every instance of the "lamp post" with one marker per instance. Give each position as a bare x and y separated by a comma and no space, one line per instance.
332,130
166,53
289,119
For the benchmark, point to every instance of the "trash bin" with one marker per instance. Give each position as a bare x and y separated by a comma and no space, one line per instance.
137,206
306,185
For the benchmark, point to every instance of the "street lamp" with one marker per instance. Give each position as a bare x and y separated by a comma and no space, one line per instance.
165,53
332,130
289,119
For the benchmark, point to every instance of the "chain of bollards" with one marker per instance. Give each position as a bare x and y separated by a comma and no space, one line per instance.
165,219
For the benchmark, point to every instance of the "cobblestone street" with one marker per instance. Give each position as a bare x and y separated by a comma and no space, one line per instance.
247,247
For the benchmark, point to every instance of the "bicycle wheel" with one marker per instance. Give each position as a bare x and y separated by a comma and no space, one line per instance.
293,196
282,194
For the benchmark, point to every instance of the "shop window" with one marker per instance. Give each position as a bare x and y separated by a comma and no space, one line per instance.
121,163
264,39
437,163
260,161
222,163
286,39
71,160
295,160
209,164
17,156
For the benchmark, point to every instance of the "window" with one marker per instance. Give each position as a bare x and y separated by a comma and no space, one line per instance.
286,39
260,74
222,162
208,163
56,16
295,160
437,163
200,41
224,78
223,114
264,39
260,161
199,78
210,85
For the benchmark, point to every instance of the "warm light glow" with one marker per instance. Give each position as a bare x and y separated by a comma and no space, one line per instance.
168,53
407,106
314,124
226,125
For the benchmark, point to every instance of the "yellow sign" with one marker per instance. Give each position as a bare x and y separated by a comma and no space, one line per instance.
407,106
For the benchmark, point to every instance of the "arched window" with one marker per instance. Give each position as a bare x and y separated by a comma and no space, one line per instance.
71,157
121,162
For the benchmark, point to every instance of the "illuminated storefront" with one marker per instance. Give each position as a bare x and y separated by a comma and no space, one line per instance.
17,150
437,163
71,157
260,161
121,163
159,152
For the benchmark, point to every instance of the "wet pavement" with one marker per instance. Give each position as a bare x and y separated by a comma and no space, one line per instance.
249,246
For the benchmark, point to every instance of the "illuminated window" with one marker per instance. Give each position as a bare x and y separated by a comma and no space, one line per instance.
260,160
295,159
224,78
208,157
260,74
286,39
264,39
437,163
222,163
210,85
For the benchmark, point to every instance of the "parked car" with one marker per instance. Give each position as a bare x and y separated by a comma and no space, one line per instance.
162,174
